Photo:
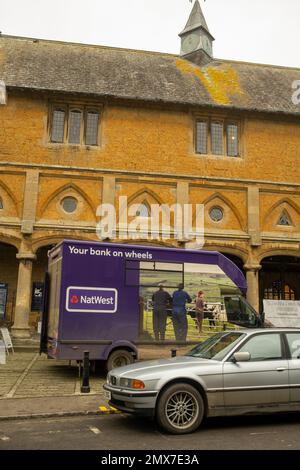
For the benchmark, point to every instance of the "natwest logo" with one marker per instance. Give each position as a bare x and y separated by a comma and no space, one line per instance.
74,299
91,299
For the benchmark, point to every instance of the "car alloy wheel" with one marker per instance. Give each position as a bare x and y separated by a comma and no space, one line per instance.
180,409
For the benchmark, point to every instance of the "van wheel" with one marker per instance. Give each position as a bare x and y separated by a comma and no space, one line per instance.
180,409
119,358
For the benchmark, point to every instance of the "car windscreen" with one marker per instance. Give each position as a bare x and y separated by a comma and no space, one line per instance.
216,347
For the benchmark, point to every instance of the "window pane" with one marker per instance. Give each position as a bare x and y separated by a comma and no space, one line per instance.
74,127
91,133
69,204
216,214
201,137
58,126
284,220
217,138
294,344
1,203
263,347
232,140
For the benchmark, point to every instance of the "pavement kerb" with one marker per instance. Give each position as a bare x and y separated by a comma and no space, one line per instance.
61,414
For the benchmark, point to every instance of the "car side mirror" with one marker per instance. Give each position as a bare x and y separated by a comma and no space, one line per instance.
241,357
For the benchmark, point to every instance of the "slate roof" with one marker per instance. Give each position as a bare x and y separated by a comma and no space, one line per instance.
146,76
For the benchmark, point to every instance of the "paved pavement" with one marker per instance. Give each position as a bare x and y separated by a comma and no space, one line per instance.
32,385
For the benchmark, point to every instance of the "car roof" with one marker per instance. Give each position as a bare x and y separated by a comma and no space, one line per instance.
250,331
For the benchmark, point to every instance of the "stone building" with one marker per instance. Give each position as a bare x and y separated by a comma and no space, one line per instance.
82,125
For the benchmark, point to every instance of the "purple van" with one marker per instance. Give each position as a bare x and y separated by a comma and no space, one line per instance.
98,296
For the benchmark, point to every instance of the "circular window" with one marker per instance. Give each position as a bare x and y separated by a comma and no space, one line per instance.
216,214
69,204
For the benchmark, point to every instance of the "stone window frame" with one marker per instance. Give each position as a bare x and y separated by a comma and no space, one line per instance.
84,109
225,121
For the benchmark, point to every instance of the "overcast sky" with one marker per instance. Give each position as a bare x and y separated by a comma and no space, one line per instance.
264,31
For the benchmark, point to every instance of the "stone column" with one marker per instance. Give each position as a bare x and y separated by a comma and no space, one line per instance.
252,276
20,328
253,216
182,199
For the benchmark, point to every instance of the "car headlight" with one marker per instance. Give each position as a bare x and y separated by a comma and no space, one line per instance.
132,383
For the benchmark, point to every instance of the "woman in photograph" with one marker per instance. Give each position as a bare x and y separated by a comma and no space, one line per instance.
200,310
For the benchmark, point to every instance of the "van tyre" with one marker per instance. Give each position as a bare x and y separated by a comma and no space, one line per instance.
180,409
119,358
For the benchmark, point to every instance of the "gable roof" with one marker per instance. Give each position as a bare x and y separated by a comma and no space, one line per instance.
146,76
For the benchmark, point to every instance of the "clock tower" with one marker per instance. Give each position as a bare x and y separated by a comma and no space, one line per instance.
196,40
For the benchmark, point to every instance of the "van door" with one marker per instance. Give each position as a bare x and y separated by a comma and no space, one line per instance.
239,312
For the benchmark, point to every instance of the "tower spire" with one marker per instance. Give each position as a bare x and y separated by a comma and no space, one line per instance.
196,36
196,19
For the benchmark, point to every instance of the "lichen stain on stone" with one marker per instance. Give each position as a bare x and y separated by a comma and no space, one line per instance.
221,83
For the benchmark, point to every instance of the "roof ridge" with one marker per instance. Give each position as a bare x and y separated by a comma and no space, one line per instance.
55,41
167,54
257,64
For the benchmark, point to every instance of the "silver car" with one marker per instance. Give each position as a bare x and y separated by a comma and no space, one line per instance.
231,373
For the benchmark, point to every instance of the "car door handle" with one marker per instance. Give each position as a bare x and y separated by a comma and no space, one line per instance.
281,369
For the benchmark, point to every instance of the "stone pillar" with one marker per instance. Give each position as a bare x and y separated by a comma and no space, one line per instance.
20,328
30,201
252,276
253,216
182,199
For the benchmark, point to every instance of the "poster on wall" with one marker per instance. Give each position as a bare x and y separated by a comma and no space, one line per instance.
37,296
3,300
282,313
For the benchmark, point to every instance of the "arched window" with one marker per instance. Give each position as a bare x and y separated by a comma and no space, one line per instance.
1,203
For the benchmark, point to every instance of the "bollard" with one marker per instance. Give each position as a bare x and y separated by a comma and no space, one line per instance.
173,352
85,388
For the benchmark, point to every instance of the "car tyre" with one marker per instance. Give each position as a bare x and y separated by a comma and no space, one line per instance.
180,409
119,358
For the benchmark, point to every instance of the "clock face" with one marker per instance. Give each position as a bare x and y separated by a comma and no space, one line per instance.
190,43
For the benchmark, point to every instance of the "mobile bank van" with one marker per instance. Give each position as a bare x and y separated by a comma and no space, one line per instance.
98,297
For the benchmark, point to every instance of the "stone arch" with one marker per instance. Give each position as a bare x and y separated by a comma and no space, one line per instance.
55,239
279,277
219,199
7,196
285,205
145,195
267,253
148,243
69,190
10,239
9,267
241,253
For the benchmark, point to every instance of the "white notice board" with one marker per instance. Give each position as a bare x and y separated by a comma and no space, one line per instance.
282,313
7,339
